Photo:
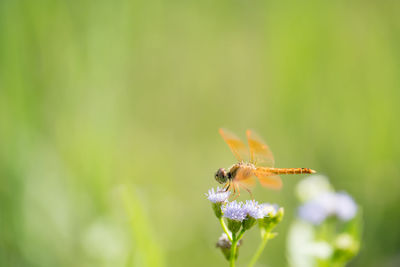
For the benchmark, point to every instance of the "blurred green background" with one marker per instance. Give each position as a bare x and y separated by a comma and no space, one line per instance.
109,112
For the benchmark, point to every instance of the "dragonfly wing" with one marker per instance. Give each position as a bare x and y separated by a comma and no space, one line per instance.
245,178
268,179
260,153
247,184
238,148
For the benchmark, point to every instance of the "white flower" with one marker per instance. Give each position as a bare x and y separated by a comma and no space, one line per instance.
313,186
269,209
218,196
302,249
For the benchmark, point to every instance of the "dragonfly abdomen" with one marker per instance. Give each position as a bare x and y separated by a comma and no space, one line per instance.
289,170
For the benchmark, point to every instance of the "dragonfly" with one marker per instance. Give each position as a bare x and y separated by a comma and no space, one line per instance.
254,161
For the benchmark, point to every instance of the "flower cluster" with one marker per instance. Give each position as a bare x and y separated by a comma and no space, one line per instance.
240,217
239,211
248,213
314,238
328,204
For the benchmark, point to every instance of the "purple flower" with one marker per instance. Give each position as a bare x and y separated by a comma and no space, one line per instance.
324,205
313,212
346,207
218,196
252,209
234,211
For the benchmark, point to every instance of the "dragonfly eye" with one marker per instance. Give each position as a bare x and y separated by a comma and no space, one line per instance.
221,176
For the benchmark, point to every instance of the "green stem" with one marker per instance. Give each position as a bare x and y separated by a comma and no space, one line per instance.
227,232
233,251
235,240
240,235
260,249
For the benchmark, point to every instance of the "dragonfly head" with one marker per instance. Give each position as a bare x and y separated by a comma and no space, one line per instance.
221,176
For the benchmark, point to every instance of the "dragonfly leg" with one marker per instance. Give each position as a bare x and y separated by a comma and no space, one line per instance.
248,190
226,187
236,194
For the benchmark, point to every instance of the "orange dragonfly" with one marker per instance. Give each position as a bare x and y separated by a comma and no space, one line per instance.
261,164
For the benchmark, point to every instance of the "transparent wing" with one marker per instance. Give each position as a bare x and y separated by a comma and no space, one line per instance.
238,148
247,183
260,153
268,179
245,178
244,175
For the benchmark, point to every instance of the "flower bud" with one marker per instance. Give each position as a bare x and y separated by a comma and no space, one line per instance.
346,247
225,245
234,225
271,220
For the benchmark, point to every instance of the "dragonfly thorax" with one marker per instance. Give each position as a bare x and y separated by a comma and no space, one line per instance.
222,175
247,168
